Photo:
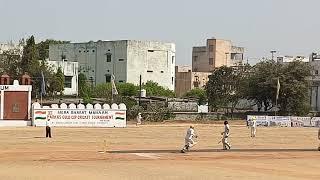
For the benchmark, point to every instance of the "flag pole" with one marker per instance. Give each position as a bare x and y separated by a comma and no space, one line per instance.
277,95
41,99
112,77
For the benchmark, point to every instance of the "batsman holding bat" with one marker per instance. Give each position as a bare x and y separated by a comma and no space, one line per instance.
226,145
189,142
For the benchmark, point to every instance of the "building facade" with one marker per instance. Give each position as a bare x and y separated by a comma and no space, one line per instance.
70,71
187,80
10,46
126,59
216,53
315,82
287,59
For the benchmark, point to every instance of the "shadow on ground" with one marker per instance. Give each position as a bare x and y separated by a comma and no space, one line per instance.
212,150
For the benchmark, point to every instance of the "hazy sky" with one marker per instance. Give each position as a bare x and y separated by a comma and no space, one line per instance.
291,27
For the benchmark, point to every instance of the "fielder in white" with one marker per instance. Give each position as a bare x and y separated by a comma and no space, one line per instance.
253,126
139,119
189,142
226,145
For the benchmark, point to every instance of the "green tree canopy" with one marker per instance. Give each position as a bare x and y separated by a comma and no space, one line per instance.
226,87
59,81
198,93
153,89
294,86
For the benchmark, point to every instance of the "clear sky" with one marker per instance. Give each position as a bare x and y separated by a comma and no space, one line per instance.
291,27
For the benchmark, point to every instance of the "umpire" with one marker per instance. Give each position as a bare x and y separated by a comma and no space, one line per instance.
48,128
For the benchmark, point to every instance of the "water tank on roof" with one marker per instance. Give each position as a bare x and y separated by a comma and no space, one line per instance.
143,93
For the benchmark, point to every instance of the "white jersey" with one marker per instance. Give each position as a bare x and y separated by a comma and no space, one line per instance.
226,130
254,123
48,123
190,133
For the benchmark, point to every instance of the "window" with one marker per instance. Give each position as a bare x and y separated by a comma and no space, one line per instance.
121,59
93,50
195,58
236,56
149,71
150,50
210,61
108,78
196,84
63,57
210,48
316,72
172,80
67,81
161,71
79,51
172,59
108,57
108,70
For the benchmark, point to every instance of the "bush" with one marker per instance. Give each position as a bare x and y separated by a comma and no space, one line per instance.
157,113
132,112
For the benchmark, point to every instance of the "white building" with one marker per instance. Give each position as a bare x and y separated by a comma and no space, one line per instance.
10,46
287,59
70,71
126,59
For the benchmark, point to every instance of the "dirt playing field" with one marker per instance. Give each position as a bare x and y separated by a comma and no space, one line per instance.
151,152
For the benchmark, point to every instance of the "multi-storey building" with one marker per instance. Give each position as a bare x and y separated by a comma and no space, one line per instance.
216,53
126,59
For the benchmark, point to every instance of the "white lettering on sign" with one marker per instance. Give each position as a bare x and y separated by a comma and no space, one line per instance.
80,118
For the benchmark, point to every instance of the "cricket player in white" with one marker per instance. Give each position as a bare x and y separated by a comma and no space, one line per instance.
226,145
139,119
253,125
189,139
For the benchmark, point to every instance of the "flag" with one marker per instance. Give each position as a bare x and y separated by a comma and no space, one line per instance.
278,89
43,85
114,88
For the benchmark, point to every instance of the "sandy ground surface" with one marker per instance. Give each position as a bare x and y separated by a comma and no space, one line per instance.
152,152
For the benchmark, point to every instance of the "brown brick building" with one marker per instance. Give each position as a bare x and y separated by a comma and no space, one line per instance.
216,53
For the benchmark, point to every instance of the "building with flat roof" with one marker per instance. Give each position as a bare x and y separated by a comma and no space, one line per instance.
126,59
216,53
187,80
70,71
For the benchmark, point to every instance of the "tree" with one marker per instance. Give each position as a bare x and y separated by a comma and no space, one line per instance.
263,84
59,81
84,89
294,97
127,89
225,87
294,86
30,59
200,94
153,89
10,62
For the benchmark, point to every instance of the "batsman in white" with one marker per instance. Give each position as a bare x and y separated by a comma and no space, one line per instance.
189,142
253,126
226,145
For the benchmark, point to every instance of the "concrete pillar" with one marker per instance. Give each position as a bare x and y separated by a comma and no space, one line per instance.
2,105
